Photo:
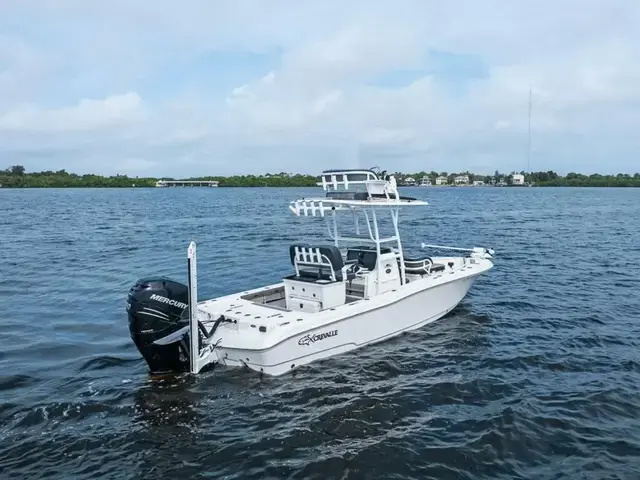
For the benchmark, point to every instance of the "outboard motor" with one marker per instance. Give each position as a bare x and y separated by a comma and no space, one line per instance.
158,307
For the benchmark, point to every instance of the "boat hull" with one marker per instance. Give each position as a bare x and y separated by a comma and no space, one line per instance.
349,333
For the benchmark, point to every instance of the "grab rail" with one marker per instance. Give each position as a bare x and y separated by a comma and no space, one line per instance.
481,251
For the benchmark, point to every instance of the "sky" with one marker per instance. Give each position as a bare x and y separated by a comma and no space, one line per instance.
215,87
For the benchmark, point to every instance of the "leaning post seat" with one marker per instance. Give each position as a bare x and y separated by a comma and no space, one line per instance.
319,280
322,262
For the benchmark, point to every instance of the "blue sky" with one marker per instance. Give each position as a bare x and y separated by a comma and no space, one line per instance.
202,87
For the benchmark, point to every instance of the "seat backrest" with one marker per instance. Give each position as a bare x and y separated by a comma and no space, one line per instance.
317,256
297,247
333,254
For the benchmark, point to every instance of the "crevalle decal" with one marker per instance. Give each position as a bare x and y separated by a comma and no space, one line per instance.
316,337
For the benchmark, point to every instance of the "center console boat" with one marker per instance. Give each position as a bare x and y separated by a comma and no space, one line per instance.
356,290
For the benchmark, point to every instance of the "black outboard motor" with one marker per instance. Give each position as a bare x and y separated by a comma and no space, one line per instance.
157,308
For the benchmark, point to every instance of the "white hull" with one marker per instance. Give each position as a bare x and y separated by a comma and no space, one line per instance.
365,323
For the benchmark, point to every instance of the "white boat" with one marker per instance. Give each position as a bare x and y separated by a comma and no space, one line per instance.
334,300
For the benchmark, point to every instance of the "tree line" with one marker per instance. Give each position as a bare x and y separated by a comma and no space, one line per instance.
17,177
544,179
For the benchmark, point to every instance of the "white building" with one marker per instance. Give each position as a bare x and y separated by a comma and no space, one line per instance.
518,179
410,181
441,181
462,180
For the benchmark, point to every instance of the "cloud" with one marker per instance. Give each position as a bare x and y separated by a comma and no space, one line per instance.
88,114
245,86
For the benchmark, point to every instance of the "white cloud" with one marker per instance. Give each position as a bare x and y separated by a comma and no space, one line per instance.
88,114
579,58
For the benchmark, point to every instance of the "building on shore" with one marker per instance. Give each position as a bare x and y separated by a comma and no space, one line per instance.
410,182
426,181
518,179
461,180
441,180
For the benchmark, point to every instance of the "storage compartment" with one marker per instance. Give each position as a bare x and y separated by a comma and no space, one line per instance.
303,305
328,294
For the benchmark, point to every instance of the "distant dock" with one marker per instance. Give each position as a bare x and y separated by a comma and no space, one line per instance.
187,183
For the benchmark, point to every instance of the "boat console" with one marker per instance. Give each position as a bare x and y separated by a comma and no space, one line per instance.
366,255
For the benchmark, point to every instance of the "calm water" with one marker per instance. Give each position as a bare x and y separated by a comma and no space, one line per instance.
535,375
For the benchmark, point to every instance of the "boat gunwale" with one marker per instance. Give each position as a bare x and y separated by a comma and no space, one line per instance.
373,305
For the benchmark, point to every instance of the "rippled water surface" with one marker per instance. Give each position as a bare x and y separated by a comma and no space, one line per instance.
535,375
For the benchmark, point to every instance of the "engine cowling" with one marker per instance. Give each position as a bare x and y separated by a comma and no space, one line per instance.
157,308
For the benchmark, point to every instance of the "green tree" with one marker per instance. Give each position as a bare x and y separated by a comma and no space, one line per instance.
17,170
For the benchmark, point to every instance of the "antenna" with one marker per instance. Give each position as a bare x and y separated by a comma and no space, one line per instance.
529,137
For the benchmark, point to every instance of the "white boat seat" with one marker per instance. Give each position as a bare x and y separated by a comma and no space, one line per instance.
421,265
320,262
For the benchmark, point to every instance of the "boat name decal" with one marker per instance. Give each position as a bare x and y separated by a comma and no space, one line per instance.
316,337
168,301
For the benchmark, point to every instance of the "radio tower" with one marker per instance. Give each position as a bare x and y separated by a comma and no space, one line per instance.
529,137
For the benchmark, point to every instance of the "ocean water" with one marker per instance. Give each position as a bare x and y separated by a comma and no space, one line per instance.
535,375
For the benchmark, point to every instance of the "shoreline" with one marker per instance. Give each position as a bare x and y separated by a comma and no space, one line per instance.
17,177
129,187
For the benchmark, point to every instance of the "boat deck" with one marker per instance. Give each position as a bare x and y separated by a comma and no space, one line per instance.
242,306
269,322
